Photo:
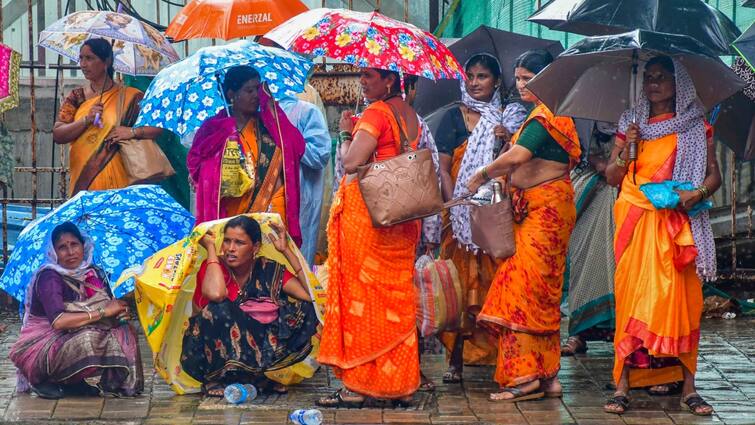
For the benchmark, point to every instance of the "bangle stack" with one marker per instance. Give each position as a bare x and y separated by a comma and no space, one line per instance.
703,191
484,172
344,136
102,313
620,162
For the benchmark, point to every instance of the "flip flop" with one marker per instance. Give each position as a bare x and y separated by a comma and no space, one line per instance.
619,399
574,345
452,376
336,400
213,389
518,394
692,401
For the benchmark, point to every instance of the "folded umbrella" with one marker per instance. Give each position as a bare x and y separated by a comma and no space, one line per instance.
693,18
504,45
184,95
126,225
597,77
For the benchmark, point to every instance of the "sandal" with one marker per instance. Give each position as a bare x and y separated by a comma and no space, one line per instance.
336,400
620,400
213,389
47,391
81,389
427,385
574,345
452,376
518,394
693,402
665,389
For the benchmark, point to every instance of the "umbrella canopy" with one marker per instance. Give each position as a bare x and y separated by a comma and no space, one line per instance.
10,69
693,18
745,45
592,79
126,225
367,40
138,49
229,19
749,3
183,95
504,45
735,123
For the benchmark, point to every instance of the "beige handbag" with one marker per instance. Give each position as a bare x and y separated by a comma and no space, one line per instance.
492,226
402,188
143,159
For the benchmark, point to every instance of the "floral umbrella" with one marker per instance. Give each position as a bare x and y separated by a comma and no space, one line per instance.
368,40
10,68
138,49
185,94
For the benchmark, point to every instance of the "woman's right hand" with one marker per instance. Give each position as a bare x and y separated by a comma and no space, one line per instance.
633,133
93,112
346,123
116,308
208,240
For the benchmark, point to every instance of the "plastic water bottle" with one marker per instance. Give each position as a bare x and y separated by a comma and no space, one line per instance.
240,393
306,417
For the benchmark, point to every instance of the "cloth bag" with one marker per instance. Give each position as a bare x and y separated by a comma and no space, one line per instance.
492,226
99,299
263,309
402,188
143,160
439,295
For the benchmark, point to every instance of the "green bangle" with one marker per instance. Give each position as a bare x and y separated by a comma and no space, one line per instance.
484,173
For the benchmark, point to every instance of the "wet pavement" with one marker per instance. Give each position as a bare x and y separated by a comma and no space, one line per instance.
726,378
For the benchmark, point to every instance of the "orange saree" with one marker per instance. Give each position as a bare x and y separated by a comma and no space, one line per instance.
658,293
476,271
267,195
370,335
522,305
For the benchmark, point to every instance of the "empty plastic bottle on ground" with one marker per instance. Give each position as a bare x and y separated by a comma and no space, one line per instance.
306,417
240,393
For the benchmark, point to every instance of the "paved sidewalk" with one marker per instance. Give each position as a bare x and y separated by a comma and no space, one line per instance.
726,378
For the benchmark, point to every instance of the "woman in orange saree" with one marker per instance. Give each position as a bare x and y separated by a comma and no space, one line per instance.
522,305
661,255
369,336
88,120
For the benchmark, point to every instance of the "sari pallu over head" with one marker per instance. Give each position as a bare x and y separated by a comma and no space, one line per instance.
92,165
691,155
204,160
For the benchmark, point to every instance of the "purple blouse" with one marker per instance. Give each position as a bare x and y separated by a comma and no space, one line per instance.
51,292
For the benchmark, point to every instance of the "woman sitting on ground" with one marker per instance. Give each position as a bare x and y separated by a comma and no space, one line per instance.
252,314
59,348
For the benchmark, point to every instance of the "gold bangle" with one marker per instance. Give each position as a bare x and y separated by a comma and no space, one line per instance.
90,315
484,173
703,191
620,162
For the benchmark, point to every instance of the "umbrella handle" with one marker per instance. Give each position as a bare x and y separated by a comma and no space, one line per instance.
632,154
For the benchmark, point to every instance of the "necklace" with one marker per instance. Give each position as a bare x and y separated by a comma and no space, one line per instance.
112,83
240,283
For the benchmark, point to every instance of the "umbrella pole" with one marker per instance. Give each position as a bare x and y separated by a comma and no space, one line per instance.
632,154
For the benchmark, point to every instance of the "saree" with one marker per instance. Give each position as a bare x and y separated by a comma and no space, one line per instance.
476,271
206,154
43,354
223,343
91,165
369,334
522,305
658,292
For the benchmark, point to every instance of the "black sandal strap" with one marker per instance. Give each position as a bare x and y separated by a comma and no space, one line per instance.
696,401
619,400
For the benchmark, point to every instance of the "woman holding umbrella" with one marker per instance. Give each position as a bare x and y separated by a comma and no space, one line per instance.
61,344
471,135
522,305
88,120
661,255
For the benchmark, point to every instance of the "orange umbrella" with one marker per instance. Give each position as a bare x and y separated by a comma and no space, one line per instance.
229,19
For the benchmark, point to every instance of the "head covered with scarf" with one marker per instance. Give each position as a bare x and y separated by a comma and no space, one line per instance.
691,154
481,147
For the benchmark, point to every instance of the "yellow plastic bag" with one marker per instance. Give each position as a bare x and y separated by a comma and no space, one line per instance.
236,177
164,289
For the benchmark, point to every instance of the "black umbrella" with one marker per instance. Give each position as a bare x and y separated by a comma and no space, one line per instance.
735,122
506,46
749,3
745,45
693,18
597,78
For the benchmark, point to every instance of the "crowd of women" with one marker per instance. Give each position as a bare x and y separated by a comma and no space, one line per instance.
631,267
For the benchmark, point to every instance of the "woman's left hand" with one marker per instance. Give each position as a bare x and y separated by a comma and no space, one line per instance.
502,133
280,237
118,134
688,198
475,182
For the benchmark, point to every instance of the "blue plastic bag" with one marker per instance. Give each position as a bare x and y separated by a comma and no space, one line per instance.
663,195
